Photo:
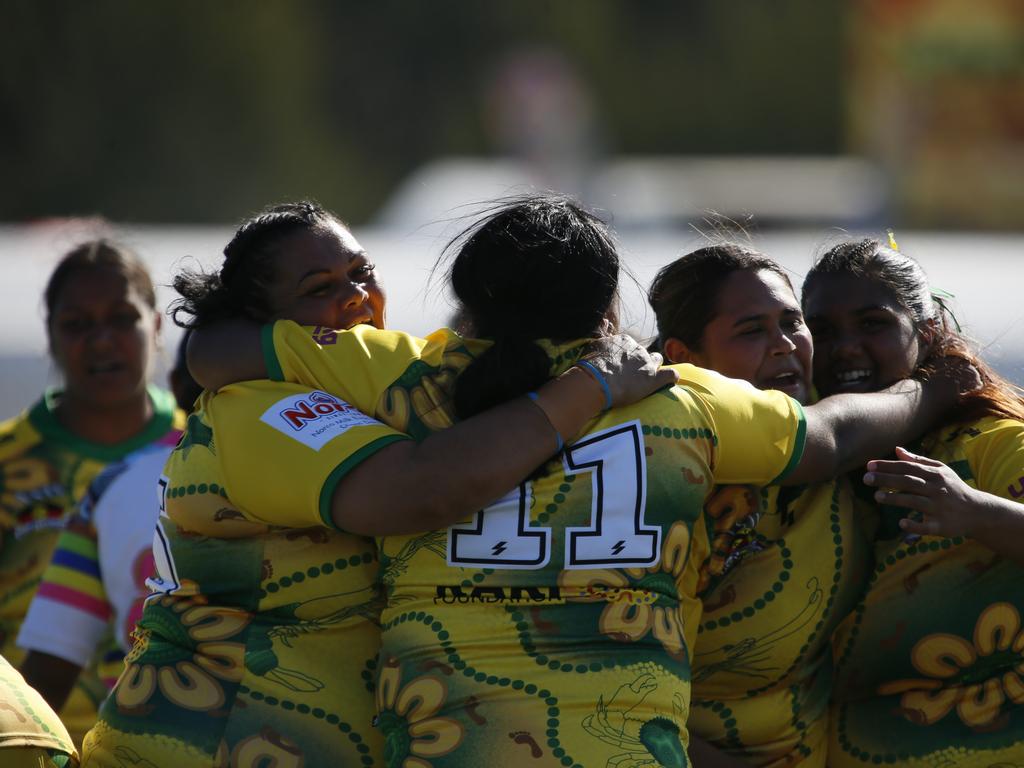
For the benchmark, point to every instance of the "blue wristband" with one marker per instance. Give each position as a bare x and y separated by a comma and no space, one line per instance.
600,380
558,437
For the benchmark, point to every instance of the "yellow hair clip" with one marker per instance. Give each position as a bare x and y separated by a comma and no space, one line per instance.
892,241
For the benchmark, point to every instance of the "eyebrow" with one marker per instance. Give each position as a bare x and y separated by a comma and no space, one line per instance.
312,272
85,307
857,311
755,318
747,319
325,271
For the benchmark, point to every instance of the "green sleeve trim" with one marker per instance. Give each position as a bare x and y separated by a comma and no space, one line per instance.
798,447
354,460
274,372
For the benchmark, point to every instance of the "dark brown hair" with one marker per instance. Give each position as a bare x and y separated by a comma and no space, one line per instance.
684,294
99,254
535,267
239,288
903,277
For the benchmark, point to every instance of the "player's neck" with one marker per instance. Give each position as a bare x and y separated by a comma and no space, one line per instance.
105,425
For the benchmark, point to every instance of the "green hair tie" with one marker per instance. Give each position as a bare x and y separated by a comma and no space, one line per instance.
941,298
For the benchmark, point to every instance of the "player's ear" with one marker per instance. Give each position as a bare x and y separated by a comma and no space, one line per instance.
676,351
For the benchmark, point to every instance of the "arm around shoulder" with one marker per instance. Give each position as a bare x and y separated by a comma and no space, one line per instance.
408,487
225,353
845,431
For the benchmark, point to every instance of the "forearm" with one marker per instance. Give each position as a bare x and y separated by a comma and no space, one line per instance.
52,676
997,523
845,431
225,353
873,424
411,487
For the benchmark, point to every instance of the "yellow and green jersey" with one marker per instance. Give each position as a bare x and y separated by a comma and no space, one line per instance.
31,734
44,472
555,626
787,564
259,645
929,668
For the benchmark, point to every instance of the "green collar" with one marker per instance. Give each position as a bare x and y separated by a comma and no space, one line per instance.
42,416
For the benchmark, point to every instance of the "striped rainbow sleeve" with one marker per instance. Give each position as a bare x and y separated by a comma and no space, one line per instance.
70,598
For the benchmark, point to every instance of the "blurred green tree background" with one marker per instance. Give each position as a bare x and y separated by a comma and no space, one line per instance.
203,111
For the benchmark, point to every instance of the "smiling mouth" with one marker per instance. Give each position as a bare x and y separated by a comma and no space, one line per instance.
786,382
787,379
367,320
854,378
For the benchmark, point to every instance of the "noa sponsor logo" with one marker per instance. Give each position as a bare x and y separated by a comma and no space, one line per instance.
314,418
301,413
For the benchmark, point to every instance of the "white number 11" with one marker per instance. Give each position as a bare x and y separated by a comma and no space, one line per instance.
501,536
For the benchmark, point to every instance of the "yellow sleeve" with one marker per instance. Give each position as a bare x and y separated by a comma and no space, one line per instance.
760,433
283,448
26,720
358,364
996,457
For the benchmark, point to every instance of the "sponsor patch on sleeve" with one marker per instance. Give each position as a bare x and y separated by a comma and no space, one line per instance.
325,336
314,418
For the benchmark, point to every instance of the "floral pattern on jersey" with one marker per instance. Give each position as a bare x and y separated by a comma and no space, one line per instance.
269,747
734,511
975,677
194,654
24,482
641,601
412,732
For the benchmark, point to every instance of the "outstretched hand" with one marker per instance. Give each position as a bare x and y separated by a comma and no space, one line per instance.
948,506
630,372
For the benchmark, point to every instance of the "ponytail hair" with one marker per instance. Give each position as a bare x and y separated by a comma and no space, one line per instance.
535,267
512,366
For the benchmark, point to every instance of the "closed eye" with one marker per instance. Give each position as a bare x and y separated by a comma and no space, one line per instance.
321,289
874,323
792,322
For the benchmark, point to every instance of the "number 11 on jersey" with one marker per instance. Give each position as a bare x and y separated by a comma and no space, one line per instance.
501,536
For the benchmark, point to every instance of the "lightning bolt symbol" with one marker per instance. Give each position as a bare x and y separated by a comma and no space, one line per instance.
498,548
619,546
